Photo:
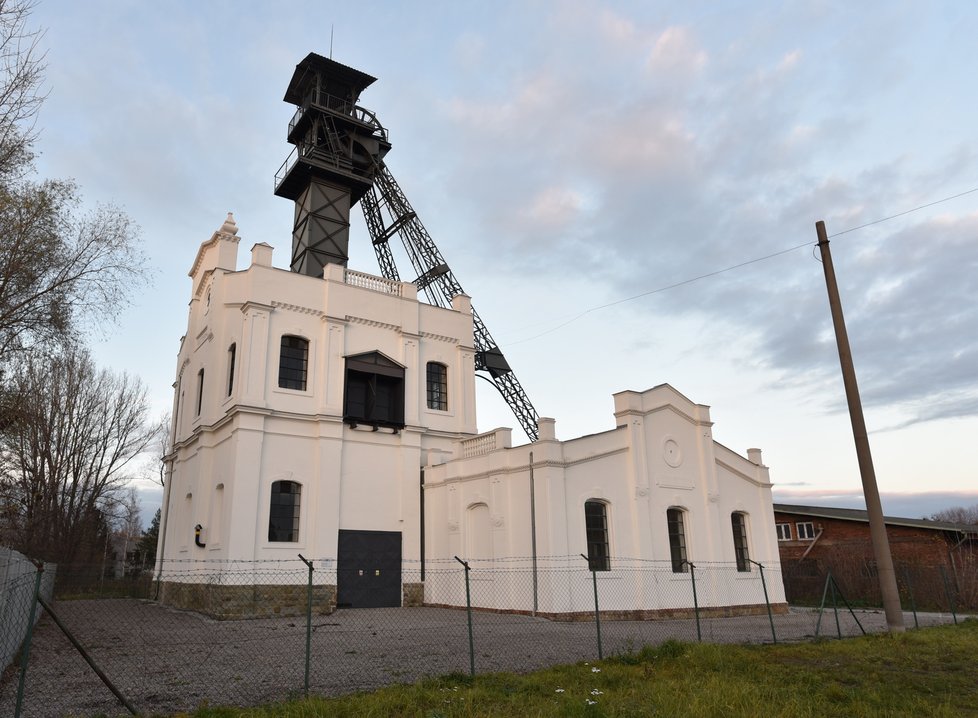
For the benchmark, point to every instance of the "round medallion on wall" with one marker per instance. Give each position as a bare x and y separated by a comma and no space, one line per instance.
672,453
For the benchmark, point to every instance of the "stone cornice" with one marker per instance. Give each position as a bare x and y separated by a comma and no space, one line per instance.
372,323
439,337
522,468
298,309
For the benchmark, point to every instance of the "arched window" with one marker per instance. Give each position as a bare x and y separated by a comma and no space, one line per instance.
437,375
283,512
293,363
200,391
677,540
232,350
596,525
478,532
738,521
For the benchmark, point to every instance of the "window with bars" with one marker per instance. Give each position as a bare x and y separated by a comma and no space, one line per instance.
677,540
293,363
283,512
596,525
739,523
437,386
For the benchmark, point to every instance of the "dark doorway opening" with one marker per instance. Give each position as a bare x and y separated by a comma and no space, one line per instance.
368,569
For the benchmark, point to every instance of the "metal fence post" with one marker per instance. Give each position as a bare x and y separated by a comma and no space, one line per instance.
468,610
25,649
308,620
950,596
835,606
597,613
767,601
913,605
696,603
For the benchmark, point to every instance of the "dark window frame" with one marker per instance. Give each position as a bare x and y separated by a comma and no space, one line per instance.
373,391
436,382
597,534
738,522
283,513
293,362
200,391
806,534
676,524
232,353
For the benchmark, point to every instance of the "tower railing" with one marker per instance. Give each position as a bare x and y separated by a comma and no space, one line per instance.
339,106
369,281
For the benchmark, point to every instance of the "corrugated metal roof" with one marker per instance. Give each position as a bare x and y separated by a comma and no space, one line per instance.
828,512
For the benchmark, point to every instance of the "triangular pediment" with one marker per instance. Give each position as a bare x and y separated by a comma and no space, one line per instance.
375,362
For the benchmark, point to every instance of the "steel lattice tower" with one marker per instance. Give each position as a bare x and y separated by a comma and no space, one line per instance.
338,160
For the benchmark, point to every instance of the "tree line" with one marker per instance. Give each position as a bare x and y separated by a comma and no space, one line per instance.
71,434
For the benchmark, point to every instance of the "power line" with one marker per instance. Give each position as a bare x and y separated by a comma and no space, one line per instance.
661,289
900,214
737,266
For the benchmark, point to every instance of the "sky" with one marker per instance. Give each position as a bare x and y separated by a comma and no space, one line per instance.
589,170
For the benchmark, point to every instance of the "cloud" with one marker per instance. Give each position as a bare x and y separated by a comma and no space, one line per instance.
897,505
694,160
676,53
555,207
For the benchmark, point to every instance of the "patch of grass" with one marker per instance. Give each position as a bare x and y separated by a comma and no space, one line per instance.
931,672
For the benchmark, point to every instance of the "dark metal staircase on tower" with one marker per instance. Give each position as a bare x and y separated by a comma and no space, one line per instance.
338,160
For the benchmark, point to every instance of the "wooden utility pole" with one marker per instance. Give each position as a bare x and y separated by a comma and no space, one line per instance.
877,527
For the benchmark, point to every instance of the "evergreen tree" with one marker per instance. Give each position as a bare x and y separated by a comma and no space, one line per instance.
146,546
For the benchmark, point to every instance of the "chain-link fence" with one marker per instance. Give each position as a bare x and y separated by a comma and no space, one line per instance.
246,633
949,587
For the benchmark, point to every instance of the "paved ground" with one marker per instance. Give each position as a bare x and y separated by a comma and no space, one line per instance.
165,660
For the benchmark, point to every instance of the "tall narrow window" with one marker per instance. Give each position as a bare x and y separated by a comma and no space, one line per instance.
293,363
677,540
437,386
178,405
232,350
596,524
739,523
200,391
283,513
478,532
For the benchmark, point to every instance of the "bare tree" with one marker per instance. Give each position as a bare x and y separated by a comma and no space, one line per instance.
21,74
61,271
958,515
57,269
66,458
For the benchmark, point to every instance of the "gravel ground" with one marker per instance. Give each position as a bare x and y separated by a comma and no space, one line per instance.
165,660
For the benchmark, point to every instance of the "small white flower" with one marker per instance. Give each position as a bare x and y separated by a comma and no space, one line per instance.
596,692
559,690
590,702
595,670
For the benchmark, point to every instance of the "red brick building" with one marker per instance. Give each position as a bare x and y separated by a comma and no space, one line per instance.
935,561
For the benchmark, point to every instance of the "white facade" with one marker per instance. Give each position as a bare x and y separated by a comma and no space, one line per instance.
236,431
661,457
243,429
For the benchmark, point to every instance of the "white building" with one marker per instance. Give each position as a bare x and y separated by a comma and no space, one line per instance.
335,418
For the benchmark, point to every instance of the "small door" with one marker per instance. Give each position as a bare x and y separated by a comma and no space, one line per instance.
368,569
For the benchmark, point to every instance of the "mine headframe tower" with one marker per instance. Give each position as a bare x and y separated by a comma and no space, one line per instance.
338,160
